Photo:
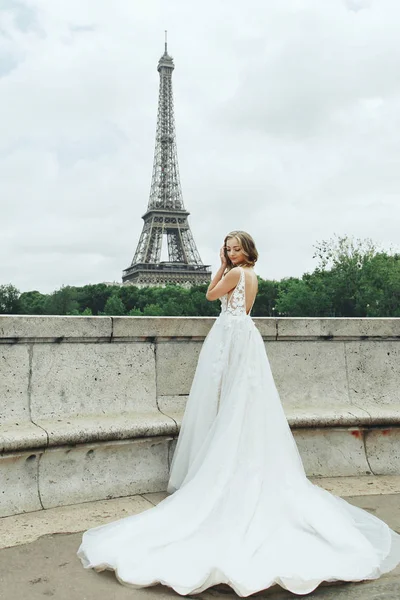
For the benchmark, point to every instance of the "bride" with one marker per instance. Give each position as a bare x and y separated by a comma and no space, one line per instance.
241,510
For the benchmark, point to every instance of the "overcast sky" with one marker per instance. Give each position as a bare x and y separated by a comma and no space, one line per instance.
287,116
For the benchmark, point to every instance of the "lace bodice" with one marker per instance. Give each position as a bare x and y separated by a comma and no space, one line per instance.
237,301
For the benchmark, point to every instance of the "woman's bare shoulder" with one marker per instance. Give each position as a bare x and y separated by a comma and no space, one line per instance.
233,273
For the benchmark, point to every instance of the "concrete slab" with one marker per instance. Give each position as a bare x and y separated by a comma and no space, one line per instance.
128,328
365,485
373,373
176,365
326,416
267,326
332,452
76,380
19,483
14,384
58,328
388,414
26,528
68,475
81,430
309,374
155,497
21,436
337,328
173,405
383,450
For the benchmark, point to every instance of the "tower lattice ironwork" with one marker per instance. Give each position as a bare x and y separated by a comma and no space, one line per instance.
166,217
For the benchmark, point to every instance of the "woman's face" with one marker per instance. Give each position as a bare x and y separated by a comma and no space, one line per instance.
234,251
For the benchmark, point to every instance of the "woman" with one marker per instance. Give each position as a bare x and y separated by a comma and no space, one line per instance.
241,510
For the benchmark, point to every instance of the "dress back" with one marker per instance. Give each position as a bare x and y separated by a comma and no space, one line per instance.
236,305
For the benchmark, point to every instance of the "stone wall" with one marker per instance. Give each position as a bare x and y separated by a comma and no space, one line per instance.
90,407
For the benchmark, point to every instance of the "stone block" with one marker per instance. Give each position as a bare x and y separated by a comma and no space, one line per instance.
19,483
21,436
171,452
298,327
80,430
99,471
16,430
309,373
373,373
335,452
14,384
266,326
328,416
176,366
383,414
57,328
376,327
172,405
335,327
81,380
383,450
161,327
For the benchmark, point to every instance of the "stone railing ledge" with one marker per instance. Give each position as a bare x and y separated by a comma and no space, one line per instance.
146,328
95,428
326,328
38,328
21,436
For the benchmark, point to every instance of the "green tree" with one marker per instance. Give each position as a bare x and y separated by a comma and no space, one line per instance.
378,294
197,304
32,303
265,303
135,312
114,306
338,286
9,299
306,297
344,258
95,296
129,295
62,302
153,310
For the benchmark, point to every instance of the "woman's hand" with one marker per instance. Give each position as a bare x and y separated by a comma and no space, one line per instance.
218,277
222,256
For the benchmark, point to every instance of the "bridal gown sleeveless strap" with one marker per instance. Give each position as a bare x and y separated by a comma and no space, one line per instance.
241,510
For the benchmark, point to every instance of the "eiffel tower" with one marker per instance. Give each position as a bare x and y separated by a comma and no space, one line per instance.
166,216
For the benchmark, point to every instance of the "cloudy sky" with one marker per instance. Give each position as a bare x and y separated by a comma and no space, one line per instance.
287,115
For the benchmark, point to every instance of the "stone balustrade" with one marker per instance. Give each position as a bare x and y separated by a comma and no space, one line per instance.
90,407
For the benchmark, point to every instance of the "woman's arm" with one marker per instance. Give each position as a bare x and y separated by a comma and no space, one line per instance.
220,285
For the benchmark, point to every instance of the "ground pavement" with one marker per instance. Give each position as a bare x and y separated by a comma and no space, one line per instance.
38,550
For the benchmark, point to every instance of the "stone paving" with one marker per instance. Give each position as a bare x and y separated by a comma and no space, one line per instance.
36,562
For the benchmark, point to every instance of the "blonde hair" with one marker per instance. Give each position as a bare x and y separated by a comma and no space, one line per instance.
247,246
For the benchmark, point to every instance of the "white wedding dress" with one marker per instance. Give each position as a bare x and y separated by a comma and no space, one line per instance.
242,511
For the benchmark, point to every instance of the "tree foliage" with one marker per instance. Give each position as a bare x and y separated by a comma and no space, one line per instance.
9,299
353,278
114,306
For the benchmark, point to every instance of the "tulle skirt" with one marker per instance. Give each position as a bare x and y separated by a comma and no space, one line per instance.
241,510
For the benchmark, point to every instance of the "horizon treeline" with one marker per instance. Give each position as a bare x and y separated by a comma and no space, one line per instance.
353,278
